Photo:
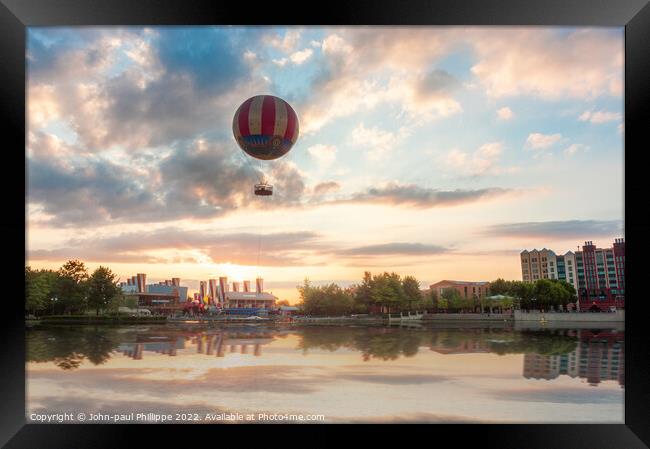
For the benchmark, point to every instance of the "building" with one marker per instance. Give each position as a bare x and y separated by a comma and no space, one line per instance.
286,311
168,296
255,300
163,297
466,289
601,275
566,268
220,294
258,299
546,264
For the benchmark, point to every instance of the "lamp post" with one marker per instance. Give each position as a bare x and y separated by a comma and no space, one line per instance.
54,300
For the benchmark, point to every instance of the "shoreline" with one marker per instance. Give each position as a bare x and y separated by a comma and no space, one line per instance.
518,319
412,324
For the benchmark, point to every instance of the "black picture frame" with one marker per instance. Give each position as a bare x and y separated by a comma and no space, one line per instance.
634,15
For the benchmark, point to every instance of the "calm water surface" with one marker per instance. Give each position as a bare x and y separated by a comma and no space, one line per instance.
346,373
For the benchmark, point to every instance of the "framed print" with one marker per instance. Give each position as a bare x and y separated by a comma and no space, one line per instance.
417,213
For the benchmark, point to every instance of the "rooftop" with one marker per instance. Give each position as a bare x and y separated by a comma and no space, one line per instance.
462,282
250,295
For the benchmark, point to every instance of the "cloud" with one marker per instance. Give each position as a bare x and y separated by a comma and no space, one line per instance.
537,141
569,229
574,148
325,155
504,113
402,249
335,44
301,56
586,63
249,55
482,161
139,88
326,187
549,64
364,68
600,116
202,179
287,42
280,249
416,196
437,83
376,142
205,53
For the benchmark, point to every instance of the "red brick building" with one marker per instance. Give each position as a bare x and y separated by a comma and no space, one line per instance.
466,289
601,276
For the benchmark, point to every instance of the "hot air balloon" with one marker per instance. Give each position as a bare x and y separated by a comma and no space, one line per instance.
265,127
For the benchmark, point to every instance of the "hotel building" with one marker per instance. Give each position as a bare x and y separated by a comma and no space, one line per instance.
597,274
545,264
601,275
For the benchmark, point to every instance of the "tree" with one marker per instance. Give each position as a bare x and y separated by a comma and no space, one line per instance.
500,287
524,292
102,288
363,292
325,300
569,295
443,303
387,290
433,297
71,285
542,293
452,298
411,289
121,300
39,290
282,302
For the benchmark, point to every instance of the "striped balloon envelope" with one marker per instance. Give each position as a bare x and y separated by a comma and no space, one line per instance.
265,127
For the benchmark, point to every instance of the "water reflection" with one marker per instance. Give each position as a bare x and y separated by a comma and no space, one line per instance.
593,355
207,342
599,356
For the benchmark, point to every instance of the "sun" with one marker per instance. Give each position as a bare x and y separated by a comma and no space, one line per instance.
237,272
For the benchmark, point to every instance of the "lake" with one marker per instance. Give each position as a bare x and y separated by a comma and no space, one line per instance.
324,373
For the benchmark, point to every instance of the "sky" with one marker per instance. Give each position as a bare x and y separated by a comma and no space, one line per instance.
438,152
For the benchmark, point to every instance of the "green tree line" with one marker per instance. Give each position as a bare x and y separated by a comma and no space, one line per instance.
543,294
70,290
389,292
452,301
